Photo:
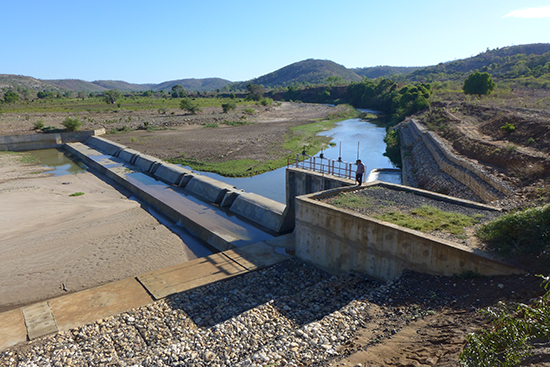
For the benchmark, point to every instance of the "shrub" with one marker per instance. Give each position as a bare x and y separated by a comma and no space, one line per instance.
266,101
530,141
38,125
72,124
526,231
508,127
188,105
249,111
508,340
229,106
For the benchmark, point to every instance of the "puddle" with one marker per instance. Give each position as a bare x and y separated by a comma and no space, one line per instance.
59,162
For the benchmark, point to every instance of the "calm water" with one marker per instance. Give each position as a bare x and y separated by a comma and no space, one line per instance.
353,138
60,164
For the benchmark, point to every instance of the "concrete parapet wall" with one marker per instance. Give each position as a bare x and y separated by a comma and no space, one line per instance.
339,240
44,140
259,209
208,188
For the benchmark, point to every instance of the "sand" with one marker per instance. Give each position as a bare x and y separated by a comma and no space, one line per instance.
52,243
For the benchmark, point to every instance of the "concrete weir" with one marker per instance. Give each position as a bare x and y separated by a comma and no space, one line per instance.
127,167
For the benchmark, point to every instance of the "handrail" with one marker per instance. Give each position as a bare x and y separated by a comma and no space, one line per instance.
328,166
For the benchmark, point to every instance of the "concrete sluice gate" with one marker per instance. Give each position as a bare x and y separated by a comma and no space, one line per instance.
213,211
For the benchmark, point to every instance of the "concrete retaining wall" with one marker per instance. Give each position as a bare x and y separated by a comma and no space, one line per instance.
259,209
460,169
147,163
339,240
18,143
171,174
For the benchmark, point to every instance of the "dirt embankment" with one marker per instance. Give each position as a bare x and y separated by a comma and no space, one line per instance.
511,143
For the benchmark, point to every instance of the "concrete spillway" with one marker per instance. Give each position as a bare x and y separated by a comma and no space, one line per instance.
221,228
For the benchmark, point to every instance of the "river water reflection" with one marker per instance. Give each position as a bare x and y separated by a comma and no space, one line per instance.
353,138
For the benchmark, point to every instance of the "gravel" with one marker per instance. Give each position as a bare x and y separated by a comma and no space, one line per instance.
290,314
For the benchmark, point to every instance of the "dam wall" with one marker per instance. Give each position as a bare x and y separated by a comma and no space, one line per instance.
20,143
260,210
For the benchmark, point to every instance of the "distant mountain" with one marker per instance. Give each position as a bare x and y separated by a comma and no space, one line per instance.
123,86
77,85
384,71
194,85
19,81
309,71
513,61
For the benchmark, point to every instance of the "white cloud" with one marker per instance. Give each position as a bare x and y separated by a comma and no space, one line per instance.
540,12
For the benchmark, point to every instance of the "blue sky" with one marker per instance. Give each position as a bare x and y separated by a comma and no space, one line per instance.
152,42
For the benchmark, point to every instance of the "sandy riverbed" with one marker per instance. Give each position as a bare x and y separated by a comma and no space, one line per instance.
52,243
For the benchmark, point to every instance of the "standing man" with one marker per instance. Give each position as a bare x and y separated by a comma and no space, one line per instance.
360,172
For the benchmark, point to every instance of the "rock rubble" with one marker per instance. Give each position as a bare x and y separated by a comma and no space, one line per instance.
287,315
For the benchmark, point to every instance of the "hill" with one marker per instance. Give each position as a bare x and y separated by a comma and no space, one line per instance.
77,85
309,71
506,62
194,85
384,71
8,81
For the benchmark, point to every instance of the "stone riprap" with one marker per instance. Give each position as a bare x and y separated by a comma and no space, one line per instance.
287,315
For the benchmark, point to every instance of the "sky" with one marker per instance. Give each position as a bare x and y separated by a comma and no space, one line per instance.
142,41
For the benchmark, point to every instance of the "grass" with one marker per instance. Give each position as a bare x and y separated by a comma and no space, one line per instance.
352,201
523,232
427,219
77,194
298,138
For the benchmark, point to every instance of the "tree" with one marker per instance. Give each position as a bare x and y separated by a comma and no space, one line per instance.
111,96
178,91
478,83
11,97
188,105
255,92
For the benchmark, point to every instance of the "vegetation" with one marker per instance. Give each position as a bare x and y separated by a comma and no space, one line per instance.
508,340
228,106
255,92
72,124
479,84
188,105
112,96
519,233
428,219
10,97
79,193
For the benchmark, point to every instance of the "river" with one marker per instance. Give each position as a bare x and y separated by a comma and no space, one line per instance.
353,138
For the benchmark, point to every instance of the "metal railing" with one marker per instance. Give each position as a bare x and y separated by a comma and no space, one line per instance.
327,166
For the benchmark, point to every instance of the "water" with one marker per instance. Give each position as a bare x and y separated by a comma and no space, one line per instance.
352,137
60,164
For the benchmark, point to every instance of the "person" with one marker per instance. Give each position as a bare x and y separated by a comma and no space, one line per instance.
360,172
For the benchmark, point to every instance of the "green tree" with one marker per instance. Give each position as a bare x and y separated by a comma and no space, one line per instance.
178,91
255,91
11,97
188,105
478,83
111,96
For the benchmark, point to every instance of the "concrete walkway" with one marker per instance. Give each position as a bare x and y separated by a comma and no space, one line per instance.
72,310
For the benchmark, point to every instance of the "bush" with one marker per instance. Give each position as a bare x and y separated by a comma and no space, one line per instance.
229,106
72,124
508,340
188,105
266,101
38,125
508,127
526,231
